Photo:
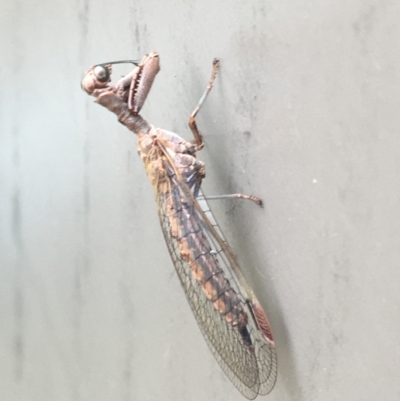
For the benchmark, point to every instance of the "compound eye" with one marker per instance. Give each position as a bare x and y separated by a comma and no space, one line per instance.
101,73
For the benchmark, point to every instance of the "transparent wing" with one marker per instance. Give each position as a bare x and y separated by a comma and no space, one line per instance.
204,266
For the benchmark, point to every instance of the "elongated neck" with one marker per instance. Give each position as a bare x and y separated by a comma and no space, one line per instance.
115,104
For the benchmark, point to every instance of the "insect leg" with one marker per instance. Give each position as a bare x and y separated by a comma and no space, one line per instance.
142,81
253,198
198,140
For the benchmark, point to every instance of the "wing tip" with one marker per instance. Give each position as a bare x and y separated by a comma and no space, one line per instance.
263,323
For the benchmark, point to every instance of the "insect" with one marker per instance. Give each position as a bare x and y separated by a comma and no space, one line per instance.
227,311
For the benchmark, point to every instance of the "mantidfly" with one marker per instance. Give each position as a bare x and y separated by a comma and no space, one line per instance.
227,311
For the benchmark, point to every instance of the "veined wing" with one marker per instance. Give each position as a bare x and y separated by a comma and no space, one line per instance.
228,314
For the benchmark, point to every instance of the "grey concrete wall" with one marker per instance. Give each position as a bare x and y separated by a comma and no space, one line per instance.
304,113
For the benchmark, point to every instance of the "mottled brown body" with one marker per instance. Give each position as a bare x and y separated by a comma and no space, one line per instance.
194,247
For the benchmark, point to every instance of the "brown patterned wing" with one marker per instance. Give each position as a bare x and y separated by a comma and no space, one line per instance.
226,316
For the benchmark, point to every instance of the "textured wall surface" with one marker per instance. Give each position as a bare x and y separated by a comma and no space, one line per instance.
304,113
